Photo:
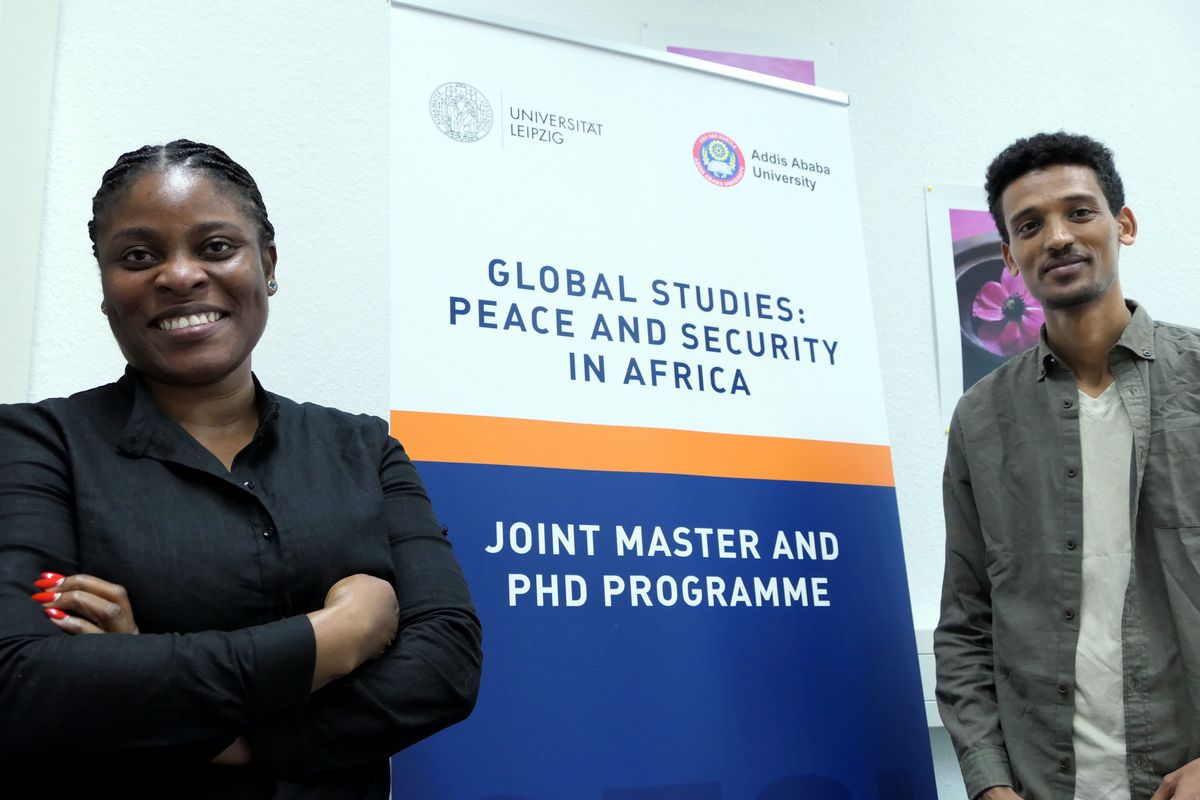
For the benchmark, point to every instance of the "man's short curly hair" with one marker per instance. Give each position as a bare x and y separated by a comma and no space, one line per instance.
1048,150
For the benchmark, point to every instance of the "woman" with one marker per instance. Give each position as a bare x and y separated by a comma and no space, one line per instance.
281,609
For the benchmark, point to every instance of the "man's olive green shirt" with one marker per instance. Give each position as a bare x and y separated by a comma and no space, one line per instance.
1013,493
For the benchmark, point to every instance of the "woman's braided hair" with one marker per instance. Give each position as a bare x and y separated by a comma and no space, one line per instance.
184,153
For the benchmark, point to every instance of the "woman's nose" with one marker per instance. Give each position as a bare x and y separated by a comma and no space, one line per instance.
181,272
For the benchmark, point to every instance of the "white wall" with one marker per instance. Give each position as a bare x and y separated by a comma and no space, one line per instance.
28,33
297,90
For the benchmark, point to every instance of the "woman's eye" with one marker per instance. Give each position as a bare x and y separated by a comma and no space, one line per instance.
138,257
218,246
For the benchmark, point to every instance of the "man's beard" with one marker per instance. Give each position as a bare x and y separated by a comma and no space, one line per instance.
1080,296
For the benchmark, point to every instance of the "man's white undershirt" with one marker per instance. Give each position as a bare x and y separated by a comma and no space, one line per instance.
1098,729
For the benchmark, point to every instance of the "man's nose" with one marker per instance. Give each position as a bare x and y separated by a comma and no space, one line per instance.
1059,234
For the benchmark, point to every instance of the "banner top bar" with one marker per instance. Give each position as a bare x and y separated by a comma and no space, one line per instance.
595,42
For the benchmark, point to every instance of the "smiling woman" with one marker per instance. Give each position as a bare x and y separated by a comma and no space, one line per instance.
185,280
282,609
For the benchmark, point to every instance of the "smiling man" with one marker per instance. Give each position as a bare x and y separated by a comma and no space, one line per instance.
1068,652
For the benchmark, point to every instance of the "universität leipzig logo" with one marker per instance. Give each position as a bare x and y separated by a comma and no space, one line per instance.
460,111
718,158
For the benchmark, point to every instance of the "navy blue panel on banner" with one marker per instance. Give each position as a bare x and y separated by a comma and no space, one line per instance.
660,637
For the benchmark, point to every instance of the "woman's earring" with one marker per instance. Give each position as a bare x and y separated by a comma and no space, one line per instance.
272,286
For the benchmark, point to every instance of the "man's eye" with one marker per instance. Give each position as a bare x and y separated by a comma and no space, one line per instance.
1027,227
1083,213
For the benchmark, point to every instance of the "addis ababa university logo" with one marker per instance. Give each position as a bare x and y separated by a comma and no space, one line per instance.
460,111
718,158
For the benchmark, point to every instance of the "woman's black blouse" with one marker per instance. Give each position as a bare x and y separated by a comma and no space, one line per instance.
220,568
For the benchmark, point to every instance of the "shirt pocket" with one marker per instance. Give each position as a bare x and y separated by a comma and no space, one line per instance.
1171,484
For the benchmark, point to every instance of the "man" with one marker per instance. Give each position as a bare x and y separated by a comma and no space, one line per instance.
1068,652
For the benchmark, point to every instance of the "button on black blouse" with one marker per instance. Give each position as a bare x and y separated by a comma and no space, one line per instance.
220,568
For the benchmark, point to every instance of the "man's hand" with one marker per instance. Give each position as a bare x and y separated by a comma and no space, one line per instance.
1000,793
1182,784
85,604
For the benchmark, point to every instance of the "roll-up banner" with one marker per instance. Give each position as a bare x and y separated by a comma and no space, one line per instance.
634,358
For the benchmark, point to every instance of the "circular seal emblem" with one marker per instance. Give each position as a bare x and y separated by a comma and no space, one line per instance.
718,158
460,111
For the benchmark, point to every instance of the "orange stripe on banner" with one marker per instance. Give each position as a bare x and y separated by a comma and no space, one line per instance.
464,439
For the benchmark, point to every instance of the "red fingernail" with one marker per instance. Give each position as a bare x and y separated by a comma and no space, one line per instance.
46,597
49,583
55,613
52,575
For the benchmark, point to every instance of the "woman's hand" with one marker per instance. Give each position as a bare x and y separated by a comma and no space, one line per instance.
236,755
85,604
358,622
97,606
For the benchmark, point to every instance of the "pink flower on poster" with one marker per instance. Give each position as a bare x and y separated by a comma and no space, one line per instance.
1010,317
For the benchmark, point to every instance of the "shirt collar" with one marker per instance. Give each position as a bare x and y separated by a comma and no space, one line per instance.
1137,338
151,432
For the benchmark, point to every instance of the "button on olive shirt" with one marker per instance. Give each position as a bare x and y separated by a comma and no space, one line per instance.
1013,492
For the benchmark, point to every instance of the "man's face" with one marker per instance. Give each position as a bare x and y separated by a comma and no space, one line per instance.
1063,239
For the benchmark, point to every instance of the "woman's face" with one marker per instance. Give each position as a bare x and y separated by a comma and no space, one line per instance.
184,277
